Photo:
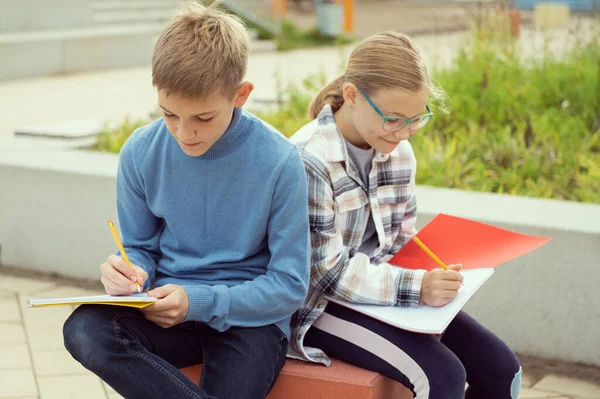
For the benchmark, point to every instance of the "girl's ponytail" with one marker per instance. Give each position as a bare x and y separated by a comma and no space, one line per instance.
330,94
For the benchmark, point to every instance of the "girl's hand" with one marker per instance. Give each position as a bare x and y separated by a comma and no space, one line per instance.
440,286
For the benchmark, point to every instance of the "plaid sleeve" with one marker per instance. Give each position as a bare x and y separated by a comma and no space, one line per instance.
341,272
407,227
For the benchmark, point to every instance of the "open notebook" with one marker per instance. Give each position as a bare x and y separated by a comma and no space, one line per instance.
424,319
477,246
140,300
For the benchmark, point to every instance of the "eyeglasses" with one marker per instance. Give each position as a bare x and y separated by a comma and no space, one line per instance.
395,123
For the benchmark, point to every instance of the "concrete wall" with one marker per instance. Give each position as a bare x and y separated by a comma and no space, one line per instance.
54,205
54,208
45,53
35,15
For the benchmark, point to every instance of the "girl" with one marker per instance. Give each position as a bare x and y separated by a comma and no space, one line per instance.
360,172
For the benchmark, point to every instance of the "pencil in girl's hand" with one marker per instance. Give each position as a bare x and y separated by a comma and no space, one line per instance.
431,254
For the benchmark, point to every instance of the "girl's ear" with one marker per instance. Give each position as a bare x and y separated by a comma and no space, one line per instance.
350,91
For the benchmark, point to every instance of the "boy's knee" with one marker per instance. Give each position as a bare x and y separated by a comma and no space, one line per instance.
82,334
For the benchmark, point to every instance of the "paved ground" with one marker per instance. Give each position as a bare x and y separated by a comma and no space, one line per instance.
371,16
412,17
34,363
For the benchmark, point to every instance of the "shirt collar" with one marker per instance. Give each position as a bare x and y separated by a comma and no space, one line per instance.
334,144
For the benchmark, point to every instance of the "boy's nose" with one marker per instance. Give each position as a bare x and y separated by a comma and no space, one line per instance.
187,132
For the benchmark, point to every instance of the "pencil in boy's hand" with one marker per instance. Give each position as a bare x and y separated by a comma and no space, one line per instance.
123,253
431,254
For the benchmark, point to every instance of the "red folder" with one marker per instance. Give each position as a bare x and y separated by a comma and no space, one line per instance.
457,240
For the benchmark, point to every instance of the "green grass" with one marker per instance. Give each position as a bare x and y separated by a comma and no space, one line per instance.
292,38
111,140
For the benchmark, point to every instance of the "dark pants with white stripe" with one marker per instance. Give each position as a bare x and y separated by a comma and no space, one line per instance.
431,368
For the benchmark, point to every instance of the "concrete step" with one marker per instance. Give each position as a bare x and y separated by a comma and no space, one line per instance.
52,52
23,16
76,50
118,5
133,16
101,2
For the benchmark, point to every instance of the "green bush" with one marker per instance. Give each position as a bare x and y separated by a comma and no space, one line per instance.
526,128
520,127
293,38
290,36
111,140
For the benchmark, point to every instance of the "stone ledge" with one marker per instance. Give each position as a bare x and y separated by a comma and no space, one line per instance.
55,202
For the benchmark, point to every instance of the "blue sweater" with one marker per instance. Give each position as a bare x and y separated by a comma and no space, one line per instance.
230,226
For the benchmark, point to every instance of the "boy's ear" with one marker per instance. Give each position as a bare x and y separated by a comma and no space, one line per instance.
242,94
350,91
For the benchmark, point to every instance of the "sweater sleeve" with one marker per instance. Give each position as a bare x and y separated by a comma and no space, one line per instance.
140,228
275,295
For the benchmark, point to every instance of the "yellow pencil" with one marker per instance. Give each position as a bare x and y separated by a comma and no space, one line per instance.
120,246
431,254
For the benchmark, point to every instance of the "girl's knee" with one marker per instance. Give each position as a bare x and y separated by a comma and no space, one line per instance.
515,386
447,379
501,379
507,365
510,370
454,378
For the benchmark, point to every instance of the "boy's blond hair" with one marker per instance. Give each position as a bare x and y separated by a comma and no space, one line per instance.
203,50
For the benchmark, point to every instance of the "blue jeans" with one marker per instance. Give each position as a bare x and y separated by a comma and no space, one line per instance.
139,359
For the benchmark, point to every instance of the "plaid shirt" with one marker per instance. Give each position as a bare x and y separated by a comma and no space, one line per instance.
339,208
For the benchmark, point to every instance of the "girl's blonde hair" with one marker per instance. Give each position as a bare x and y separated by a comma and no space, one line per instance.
387,60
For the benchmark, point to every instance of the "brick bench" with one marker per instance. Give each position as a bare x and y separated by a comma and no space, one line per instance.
302,380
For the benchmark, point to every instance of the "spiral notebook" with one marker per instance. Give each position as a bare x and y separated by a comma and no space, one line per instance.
424,319
139,300
477,246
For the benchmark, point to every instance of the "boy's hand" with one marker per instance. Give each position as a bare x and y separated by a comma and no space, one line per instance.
170,308
440,286
119,279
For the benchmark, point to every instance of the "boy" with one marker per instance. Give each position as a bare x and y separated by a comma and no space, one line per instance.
212,206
